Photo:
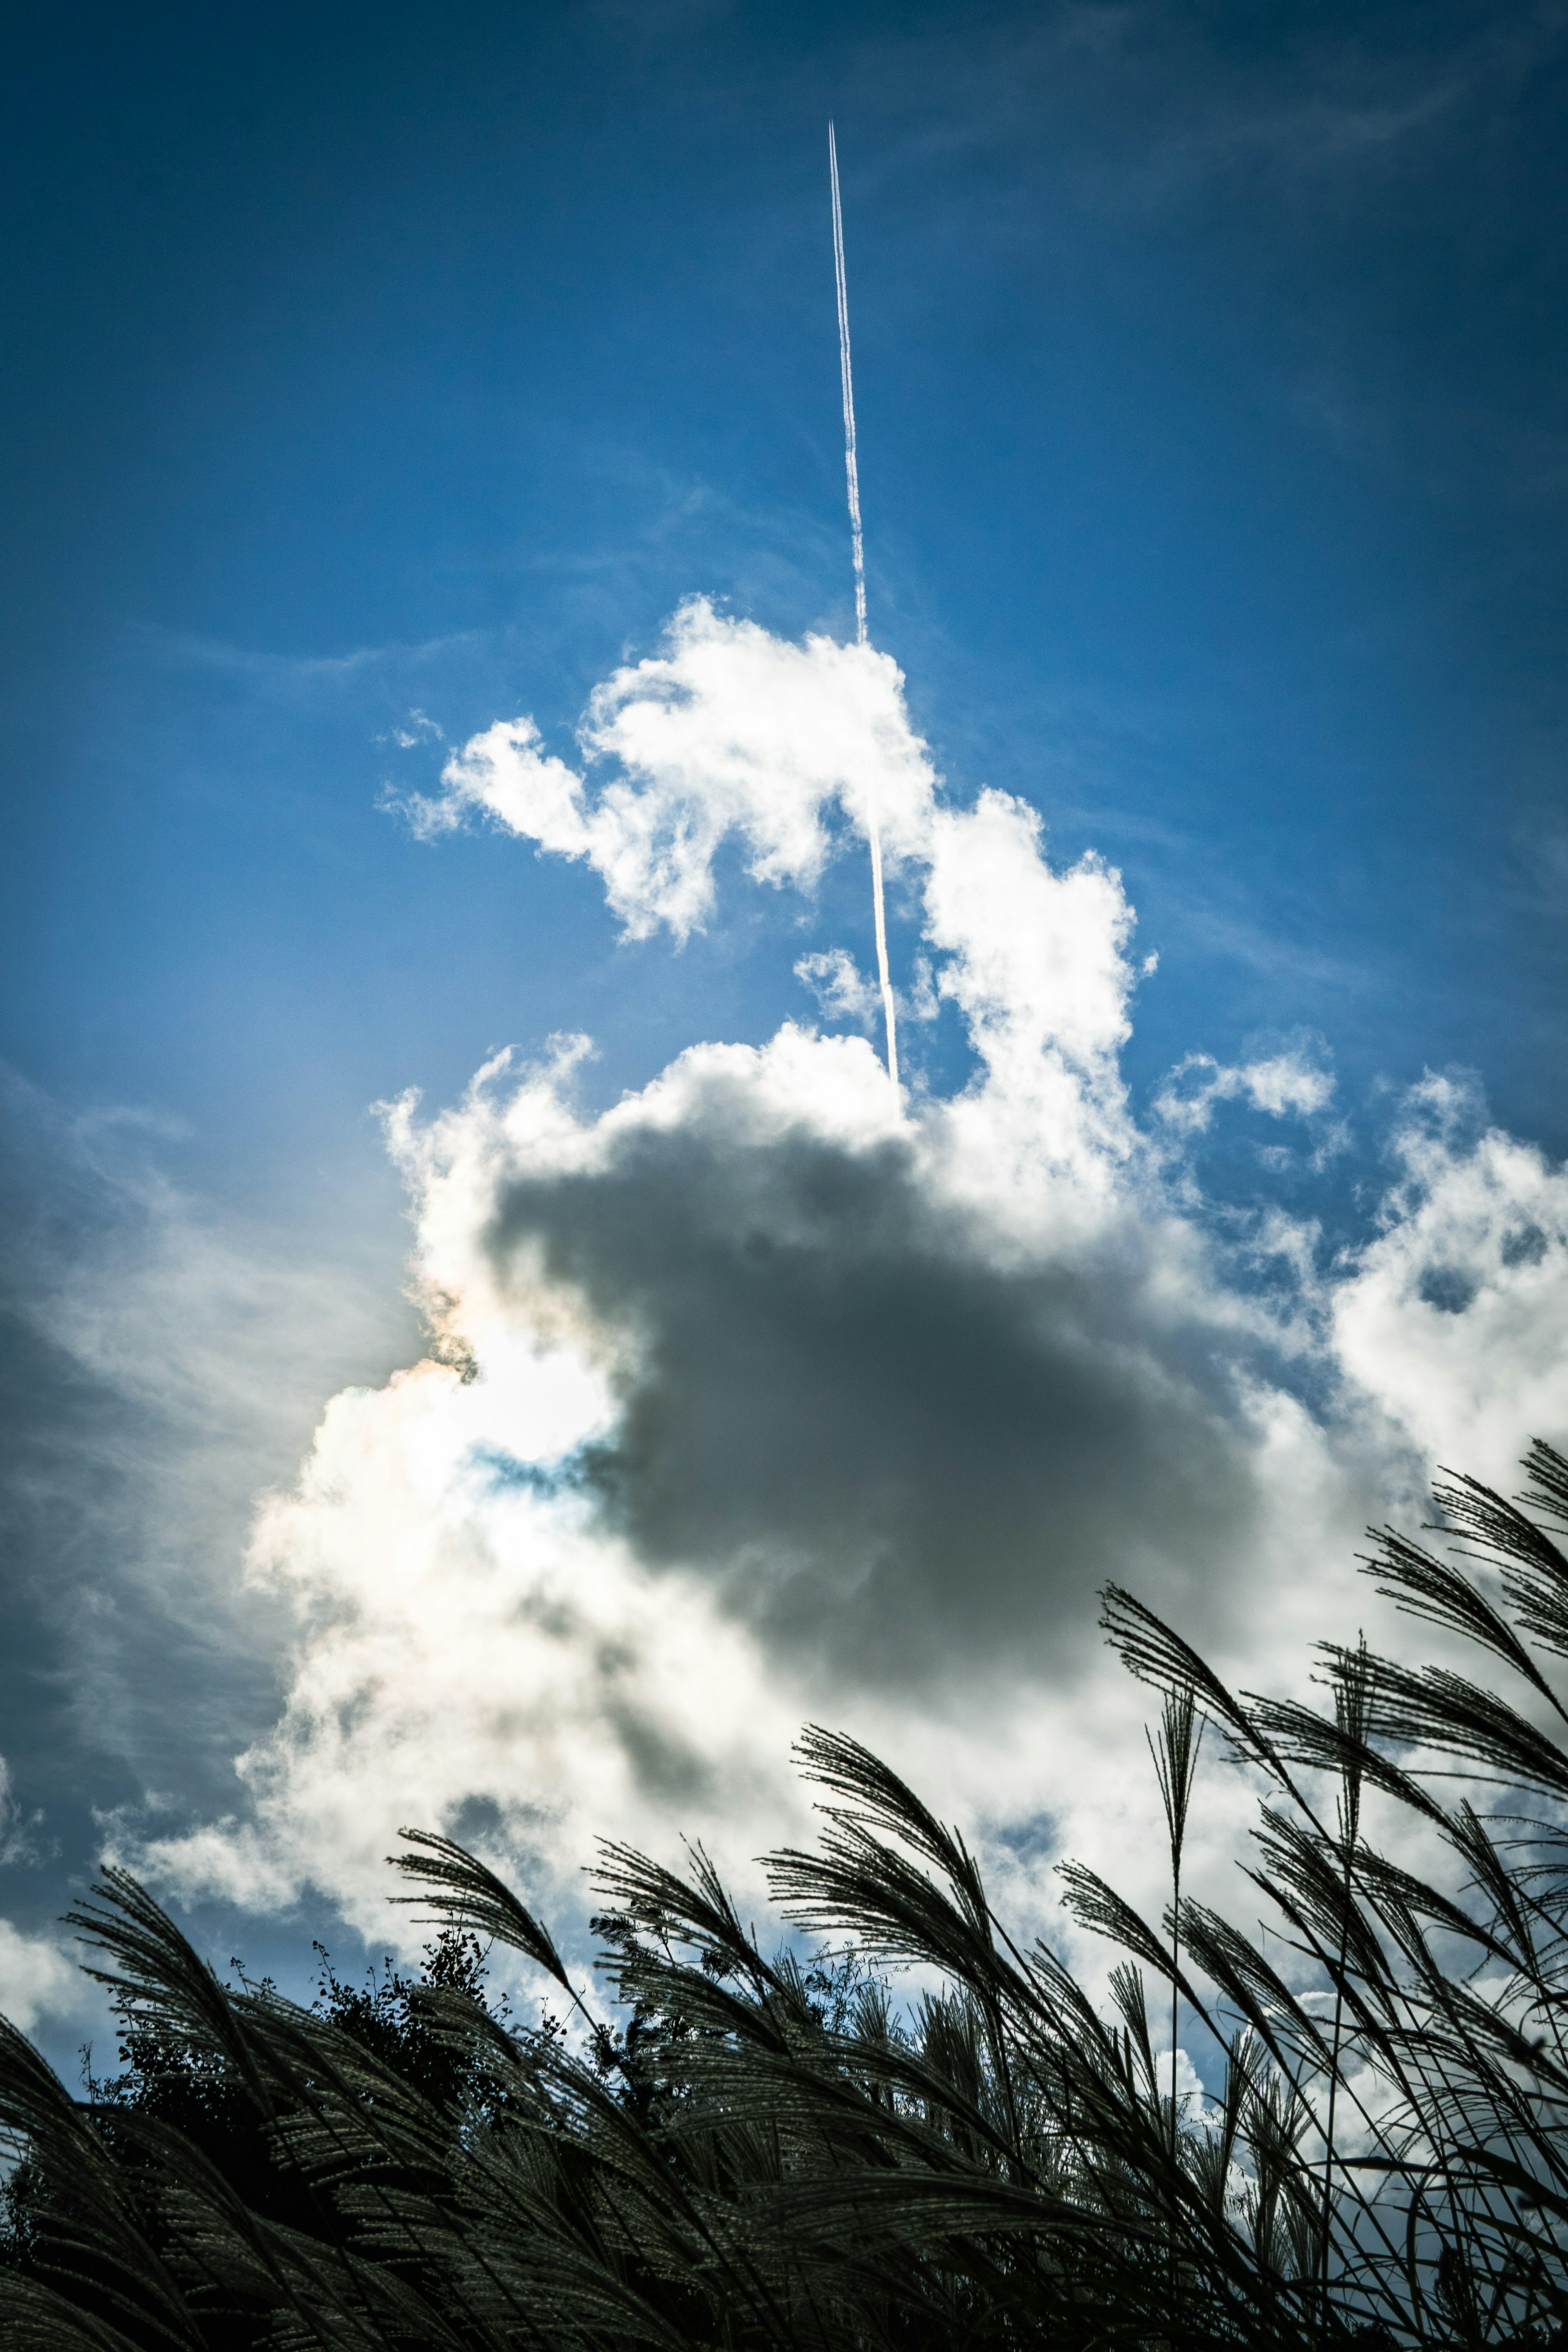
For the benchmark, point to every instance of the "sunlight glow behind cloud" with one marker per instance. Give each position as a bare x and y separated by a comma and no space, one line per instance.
768,1391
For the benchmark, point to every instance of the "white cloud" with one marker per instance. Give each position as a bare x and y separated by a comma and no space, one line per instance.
840,988
769,1391
419,729
39,1982
18,1830
730,732
1291,1084
1455,1317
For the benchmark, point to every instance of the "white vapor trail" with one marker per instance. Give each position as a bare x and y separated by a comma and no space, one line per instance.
852,473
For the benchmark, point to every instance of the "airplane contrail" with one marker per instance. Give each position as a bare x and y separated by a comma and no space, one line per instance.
852,473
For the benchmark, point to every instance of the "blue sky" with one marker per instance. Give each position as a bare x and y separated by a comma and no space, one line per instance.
1210,390
1211,369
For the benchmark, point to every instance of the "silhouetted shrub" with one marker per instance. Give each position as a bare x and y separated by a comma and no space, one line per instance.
777,2151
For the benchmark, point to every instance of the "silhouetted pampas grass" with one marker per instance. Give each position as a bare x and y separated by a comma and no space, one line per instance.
774,2152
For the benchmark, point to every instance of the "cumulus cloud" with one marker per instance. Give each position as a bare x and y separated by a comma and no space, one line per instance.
1453,1314
841,989
39,1982
727,732
1291,1084
771,1391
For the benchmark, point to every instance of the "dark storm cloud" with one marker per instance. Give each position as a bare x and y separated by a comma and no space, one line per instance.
884,1442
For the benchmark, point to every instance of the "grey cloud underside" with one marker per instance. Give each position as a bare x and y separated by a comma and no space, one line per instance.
885,1449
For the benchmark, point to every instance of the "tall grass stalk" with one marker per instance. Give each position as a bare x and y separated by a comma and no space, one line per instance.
789,2150
1175,1757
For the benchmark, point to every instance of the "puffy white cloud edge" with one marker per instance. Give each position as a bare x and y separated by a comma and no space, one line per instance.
39,1983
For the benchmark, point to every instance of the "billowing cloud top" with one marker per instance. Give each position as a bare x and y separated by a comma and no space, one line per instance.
771,1391
730,732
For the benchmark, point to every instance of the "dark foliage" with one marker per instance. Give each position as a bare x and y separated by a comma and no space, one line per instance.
175,2090
778,2150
